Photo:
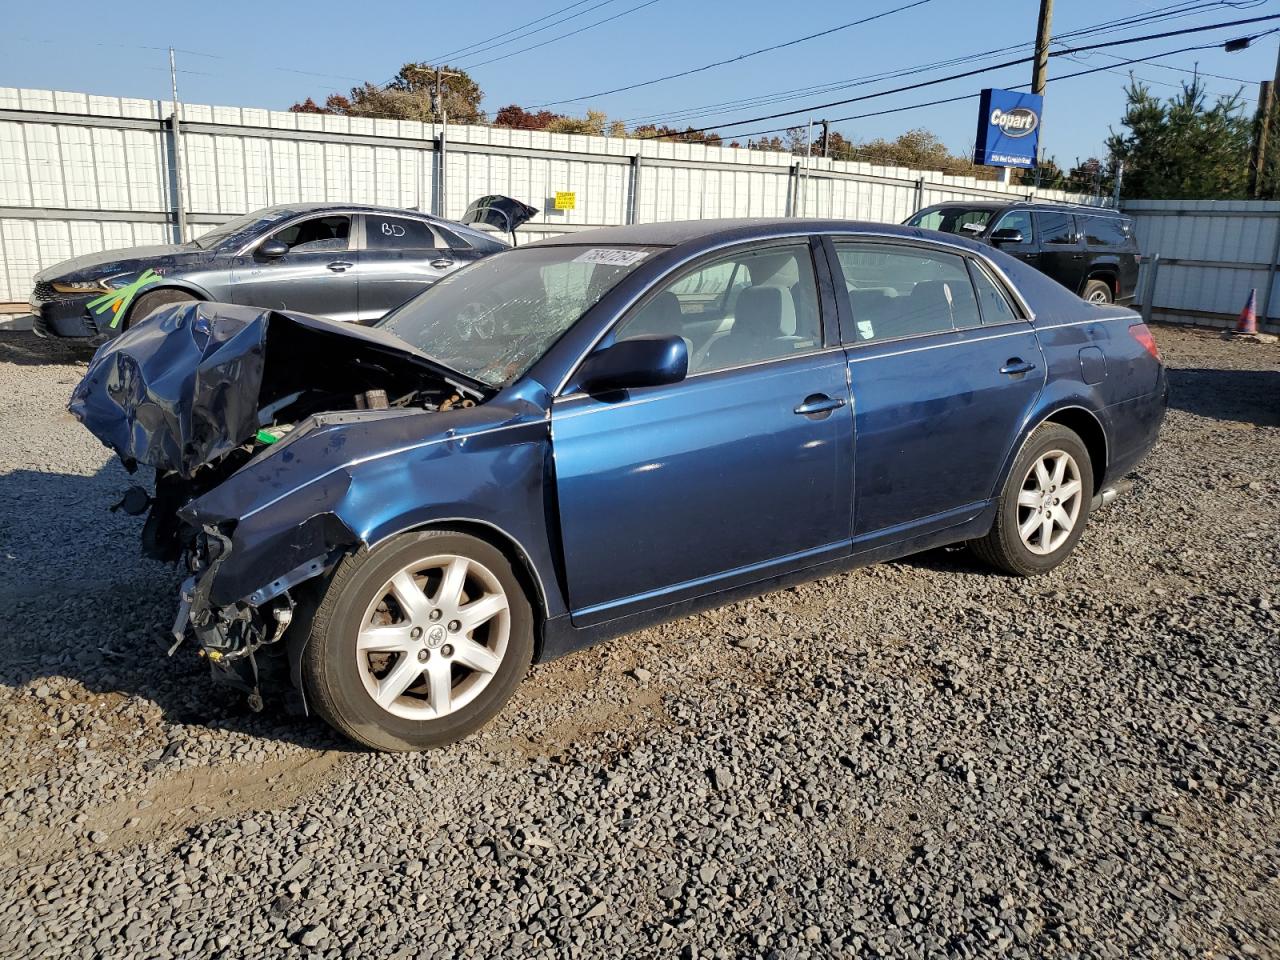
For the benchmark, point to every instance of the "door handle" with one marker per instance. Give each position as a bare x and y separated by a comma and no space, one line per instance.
338,266
819,403
1015,366
442,263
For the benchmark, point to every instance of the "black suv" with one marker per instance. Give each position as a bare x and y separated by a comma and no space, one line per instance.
1086,249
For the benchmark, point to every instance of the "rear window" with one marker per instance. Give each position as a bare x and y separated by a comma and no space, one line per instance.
1105,231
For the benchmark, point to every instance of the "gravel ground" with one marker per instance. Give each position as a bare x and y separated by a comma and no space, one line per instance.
920,759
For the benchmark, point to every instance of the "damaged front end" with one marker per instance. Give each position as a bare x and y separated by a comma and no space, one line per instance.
251,420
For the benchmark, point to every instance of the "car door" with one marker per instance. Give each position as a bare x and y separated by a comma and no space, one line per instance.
943,373
734,474
1062,254
1028,251
317,275
402,256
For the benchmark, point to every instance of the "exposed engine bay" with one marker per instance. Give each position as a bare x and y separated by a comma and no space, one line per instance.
200,392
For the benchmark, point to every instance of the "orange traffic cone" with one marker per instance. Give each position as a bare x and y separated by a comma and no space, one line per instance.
1248,322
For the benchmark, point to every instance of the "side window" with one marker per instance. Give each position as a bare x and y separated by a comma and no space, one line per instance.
316,234
995,305
397,233
1104,231
1056,228
903,292
930,221
454,241
773,312
1017,220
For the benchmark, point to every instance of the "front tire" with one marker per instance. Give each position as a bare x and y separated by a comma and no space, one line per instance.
149,303
1044,505
418,642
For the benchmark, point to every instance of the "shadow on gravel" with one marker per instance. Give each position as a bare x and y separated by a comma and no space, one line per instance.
80,602
25,349
1244,396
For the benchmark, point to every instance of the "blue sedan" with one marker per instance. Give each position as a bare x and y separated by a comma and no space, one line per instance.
584,436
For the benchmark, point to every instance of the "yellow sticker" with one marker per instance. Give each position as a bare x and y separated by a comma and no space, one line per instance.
566,200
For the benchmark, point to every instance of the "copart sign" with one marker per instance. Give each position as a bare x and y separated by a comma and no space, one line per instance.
1008,128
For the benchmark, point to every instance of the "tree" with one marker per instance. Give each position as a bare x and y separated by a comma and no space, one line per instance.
921,149
1182,148
688,135
408,96
518,118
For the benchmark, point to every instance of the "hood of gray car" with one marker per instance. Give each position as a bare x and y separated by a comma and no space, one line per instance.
107,263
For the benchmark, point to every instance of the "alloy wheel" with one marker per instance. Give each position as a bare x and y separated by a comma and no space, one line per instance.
1049,502
1099,296
433,637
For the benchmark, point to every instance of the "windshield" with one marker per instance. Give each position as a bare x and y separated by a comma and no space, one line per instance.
962,220
243,228
493,319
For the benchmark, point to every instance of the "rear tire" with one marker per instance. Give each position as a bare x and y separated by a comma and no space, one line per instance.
1044,505
400,655
1098,291
149,303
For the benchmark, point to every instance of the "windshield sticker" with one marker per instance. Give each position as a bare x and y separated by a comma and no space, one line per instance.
118,300
613,258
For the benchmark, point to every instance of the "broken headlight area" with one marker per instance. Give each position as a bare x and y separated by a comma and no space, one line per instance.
232,638
206,392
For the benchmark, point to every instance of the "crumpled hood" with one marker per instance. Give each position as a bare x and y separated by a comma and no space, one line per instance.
188,385
107,263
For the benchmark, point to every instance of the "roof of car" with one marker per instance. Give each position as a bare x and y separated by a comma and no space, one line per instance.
281,211
675,232
1076,208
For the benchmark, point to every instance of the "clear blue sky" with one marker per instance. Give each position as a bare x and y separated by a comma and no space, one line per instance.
252,52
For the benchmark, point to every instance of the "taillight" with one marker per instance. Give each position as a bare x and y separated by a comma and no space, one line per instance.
1142,333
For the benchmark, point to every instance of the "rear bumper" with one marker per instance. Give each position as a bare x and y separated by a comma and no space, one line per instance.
1135,428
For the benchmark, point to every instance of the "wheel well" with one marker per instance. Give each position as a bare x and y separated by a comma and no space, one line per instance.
1086,426
1110,277
193,294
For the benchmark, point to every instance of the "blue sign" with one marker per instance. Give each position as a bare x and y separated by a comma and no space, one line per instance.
1008,128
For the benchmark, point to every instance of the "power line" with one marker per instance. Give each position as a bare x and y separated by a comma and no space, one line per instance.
556,23
974,96
469,48
562,36
970,73
736,59
1172,11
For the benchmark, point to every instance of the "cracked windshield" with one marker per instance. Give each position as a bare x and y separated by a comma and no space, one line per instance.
492,320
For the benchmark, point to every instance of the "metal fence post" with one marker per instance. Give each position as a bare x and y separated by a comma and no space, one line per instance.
919,193
1149,287
793,189
633,210
1271,276
441,149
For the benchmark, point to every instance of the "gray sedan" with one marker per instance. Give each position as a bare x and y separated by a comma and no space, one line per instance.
343,261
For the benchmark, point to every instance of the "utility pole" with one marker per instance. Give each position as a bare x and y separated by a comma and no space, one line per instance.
1262,128
440,110
175,127
1040,67
826,136
1044,35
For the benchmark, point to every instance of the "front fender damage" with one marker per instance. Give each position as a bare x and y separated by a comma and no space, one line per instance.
233,624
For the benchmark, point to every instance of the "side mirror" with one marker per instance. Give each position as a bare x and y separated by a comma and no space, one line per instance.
272,249
636,362
1007,235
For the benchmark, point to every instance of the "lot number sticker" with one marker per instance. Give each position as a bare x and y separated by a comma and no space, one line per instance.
566,201
614,258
